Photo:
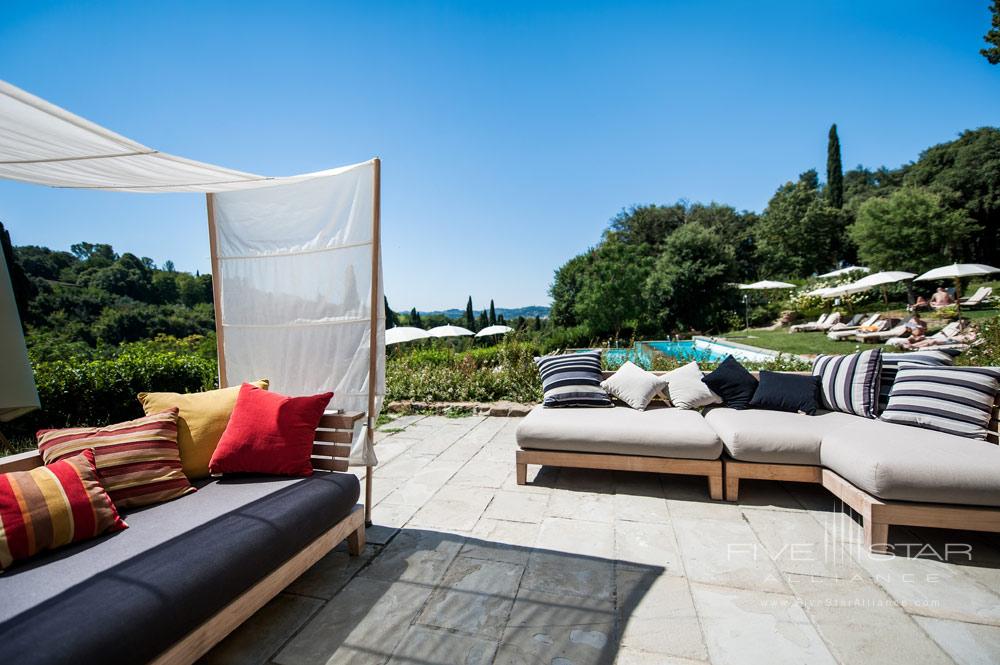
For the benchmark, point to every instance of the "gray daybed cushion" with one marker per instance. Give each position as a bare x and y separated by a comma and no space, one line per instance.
127,597
659,431
902,463
775,437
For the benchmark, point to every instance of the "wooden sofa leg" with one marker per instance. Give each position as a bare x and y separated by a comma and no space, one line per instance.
876,535
522,473
715,487
732,487
356,541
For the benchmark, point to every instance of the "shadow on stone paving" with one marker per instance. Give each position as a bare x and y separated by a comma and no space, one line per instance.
433,598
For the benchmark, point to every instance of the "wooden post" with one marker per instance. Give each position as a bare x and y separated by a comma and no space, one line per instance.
373,337
216,289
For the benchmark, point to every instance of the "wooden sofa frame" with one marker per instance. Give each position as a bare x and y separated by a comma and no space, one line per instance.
330,453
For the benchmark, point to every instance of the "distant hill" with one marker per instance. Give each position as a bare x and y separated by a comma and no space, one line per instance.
509,314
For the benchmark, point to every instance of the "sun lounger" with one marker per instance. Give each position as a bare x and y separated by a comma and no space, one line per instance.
980,297
848,333
880,336
806,327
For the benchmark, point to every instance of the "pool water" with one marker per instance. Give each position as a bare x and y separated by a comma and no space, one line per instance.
699,350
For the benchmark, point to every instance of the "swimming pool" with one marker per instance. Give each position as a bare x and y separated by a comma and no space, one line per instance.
699,350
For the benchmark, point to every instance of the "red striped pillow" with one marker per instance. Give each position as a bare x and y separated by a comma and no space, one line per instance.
52,506
138,460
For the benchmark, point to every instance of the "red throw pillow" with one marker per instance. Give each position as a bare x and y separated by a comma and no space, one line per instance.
269,433
52,506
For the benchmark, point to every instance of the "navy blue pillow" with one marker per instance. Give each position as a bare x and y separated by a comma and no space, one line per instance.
787,392
733,383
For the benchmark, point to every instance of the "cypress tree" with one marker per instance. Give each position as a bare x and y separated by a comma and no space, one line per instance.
538,322
415,319
484,320
501,320
493,314
470,316
391,320
520,323
834,171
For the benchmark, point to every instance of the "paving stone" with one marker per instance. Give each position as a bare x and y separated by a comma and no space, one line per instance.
422,646
379,534
474,597
332,572
656,614
558,534
514,506
797,543
424,483
363,625
861,624
480,472
559,629
726,552
643,503
414,555
582,505
966,643
742,626
453,509
687,496
265,632
643,545
628,656
497,540
567,574
393,515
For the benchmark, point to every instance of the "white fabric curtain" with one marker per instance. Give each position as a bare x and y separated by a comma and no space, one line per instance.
17,389
295,280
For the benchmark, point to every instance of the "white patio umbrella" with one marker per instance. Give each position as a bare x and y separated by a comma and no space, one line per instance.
494,330
401,334
450,331
763,285
844,271
957,271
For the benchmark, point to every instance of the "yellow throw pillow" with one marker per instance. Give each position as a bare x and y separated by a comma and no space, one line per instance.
201,420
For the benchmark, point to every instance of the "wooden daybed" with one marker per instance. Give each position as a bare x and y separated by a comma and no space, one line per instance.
888,474
187,572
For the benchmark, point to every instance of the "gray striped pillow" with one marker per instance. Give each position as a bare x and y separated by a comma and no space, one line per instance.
850,383
573,379
955,400
892,361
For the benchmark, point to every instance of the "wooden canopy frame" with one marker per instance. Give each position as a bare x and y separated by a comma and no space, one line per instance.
375,305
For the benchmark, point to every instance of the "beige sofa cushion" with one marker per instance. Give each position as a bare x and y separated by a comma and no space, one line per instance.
659,431
775,437
902,463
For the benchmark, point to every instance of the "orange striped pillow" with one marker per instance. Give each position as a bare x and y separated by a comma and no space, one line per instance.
52,506
138,460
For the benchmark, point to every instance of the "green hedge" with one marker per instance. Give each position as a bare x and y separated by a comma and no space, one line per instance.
103,391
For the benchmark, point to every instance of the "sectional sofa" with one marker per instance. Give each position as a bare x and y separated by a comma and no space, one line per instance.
186,572
888,473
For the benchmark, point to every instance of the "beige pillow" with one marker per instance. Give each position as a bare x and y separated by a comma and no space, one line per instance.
634,385
686,389
201,420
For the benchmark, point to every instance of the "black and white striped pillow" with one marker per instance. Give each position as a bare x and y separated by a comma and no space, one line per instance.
955,400
850,383
892,361
573,379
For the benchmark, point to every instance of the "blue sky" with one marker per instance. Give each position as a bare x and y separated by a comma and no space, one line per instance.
510,132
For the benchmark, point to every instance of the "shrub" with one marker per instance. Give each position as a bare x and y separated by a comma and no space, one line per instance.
986,353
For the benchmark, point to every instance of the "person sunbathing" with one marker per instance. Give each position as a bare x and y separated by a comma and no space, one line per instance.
919,305
916,329
967,337
941,298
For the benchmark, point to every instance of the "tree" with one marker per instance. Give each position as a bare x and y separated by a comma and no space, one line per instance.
484,320
992,37
391,319
415,318
610,298
647,226
520,323
493,314
911,230
88,252
470,315
834,170
565,289
799,234
538,323
733,228
689,284
168,266
501,320
165,287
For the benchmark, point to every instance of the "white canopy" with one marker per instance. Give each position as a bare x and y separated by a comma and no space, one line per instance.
401,334
844,271
767,284
957,271
867,282
297,275
450,331
494,330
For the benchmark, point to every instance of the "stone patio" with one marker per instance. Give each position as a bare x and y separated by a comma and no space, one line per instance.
578,567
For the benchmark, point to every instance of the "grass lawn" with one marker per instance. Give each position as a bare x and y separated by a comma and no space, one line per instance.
817,342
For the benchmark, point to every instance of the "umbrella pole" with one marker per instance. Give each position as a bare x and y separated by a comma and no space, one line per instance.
746,310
